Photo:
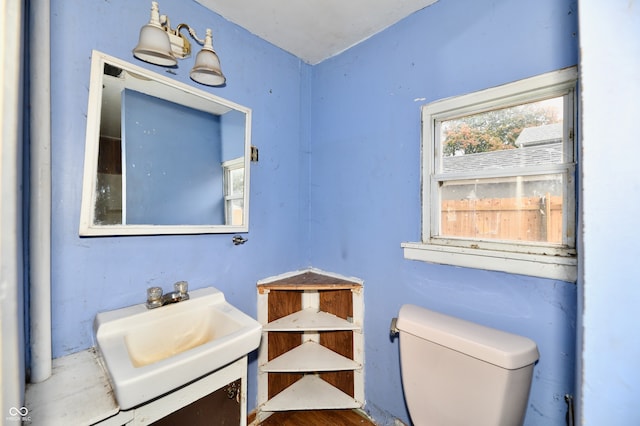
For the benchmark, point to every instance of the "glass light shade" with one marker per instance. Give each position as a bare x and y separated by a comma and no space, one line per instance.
154,46
207,69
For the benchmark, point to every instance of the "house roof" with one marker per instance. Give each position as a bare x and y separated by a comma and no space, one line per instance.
540,135
537,145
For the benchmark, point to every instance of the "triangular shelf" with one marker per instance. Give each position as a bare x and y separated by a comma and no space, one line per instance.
308,357
310,319
310,393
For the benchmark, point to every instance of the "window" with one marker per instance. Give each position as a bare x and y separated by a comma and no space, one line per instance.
233,191
498,174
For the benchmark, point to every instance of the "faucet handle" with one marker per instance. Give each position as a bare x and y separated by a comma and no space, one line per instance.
181,287
154,297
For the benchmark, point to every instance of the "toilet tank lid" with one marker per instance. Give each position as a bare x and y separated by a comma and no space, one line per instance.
506,350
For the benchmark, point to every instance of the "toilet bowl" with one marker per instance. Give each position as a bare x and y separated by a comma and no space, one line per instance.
455,372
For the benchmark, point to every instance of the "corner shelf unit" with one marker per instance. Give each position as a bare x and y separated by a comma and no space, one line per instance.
312,349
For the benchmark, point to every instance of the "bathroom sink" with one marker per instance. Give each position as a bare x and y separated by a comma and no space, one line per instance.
149,352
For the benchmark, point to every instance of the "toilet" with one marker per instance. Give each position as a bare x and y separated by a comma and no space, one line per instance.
455,372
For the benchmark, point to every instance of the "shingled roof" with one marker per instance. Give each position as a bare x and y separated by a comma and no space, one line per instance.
540,135
537,145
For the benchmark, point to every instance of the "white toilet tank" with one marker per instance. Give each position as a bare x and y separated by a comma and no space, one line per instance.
455,372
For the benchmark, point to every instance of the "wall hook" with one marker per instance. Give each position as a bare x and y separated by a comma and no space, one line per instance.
238,240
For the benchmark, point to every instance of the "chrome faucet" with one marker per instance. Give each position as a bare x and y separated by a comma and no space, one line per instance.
156,299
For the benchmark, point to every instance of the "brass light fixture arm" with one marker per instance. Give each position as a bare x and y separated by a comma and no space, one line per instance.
174,35
191,31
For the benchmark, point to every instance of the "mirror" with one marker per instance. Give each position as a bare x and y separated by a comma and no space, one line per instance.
162,157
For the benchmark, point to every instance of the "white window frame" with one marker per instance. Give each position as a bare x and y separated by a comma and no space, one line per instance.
555,261
227,167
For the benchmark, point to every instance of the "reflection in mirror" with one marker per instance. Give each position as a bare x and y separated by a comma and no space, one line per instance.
161,157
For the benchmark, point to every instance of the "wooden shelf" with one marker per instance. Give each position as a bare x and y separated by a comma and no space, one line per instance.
310,393
306,280
311,353
310,357
310,319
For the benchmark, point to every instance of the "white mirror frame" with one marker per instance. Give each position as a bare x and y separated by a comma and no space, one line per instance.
87,225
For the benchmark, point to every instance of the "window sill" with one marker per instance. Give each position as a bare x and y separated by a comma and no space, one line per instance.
537,265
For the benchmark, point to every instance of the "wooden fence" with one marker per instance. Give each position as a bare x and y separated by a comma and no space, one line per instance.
520,219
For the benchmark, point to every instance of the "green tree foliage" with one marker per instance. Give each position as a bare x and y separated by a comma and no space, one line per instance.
493,130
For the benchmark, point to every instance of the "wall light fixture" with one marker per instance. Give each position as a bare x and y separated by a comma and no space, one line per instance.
160,44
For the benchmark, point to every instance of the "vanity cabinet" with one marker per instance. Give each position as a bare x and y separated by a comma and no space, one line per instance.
219,398
311,353
219,408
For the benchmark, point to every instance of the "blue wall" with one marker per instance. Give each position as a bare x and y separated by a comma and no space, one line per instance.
365,182
175,179
337,185
96,274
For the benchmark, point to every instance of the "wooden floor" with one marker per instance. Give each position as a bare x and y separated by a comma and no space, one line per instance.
317,418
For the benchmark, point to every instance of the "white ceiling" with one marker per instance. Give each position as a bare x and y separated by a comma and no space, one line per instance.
314,30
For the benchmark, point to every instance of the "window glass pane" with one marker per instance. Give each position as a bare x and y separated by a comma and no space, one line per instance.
520,136
236,208
108,210
522,208
237,181
234,201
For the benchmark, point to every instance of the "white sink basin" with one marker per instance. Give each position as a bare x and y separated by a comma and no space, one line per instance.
149,352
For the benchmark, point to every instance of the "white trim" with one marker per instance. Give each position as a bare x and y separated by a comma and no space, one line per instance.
542,260
544,266
233,164
545,85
